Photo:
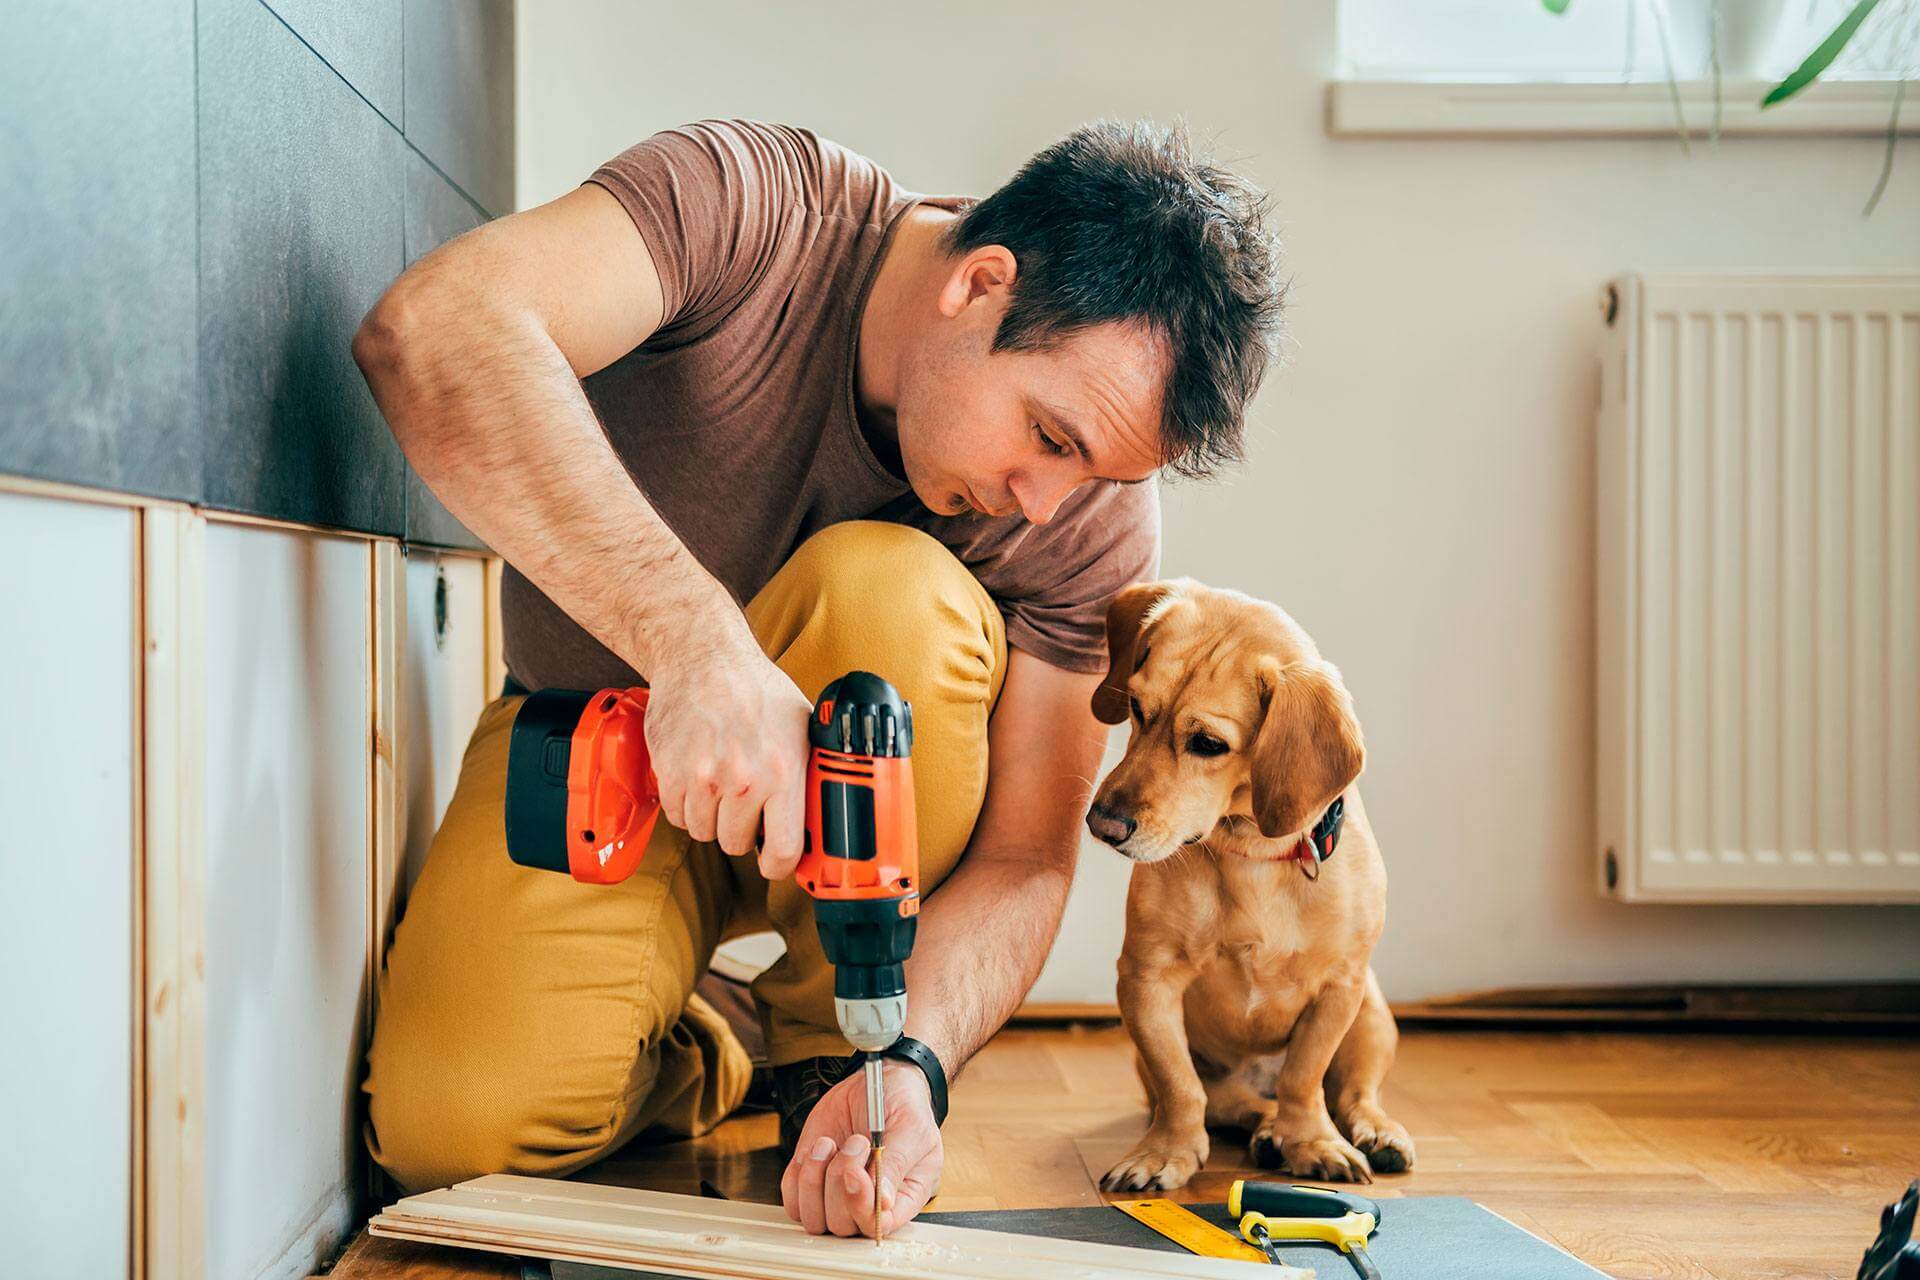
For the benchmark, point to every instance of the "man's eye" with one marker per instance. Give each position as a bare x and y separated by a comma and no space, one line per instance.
1047,442
1205,744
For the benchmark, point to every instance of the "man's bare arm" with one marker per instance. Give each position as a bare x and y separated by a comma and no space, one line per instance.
475,356
986,931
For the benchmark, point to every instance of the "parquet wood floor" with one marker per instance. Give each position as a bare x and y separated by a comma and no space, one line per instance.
1652,1155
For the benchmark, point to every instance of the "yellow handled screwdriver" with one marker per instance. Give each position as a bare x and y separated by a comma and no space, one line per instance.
1349,1234
1278,1211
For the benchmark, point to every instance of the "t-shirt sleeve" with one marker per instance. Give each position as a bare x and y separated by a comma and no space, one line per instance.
1104,539
712,200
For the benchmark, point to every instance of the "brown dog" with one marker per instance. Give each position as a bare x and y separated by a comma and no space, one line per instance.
1244,979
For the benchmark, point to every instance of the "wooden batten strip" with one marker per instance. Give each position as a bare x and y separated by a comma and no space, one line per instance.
496,649
386,646
37,488
729,1240
172,793
137,820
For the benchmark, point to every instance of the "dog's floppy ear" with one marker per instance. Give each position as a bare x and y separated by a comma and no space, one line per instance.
1124,614
1308,750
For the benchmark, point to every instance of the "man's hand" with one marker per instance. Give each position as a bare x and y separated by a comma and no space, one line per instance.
728,734
826,1188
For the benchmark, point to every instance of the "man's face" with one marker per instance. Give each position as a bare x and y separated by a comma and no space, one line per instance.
1014,432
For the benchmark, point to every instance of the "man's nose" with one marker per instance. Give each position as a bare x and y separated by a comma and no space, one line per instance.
1039,497
1110,825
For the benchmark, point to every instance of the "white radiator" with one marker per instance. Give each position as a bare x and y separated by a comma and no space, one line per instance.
1758,590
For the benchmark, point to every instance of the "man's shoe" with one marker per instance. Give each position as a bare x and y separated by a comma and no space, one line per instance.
797,1087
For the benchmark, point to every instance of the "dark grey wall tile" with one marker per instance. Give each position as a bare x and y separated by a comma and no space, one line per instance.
436,213
359,38
302,191
436,210
459,93
97,253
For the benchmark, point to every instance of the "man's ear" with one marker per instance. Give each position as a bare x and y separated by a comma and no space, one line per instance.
974,275
1124,614
1308,750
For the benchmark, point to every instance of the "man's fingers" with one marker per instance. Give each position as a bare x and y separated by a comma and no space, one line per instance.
909,1171
672,804
849,1193
738,822
701,805
790,1188
899,1205
815,1155
786,818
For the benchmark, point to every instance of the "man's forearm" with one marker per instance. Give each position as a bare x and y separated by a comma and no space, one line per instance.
982,939
491,415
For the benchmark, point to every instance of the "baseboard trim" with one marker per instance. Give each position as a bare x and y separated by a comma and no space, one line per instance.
1041,1011
1817,1006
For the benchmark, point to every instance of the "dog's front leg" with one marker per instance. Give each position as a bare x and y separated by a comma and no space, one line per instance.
1300,1136
1175,1144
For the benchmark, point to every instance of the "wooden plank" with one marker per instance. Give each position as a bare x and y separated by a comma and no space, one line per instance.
386,669
137,1200
724,1239
34,487
386,788
496,652
172,789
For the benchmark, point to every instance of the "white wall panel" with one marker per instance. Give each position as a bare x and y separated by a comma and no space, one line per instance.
67,645
287,734
444,689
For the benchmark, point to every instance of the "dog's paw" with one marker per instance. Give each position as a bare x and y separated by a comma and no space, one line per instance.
1387,1146
1322,1159
1264,1150
1157,1162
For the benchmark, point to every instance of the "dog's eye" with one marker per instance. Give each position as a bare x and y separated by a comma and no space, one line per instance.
1205,744
1133,706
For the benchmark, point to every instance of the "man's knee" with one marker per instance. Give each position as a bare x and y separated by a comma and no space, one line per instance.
460,1128
890,588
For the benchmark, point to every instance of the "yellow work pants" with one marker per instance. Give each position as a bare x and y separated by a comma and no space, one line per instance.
531,1024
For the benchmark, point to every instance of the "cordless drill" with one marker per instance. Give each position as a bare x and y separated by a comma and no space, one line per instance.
581,798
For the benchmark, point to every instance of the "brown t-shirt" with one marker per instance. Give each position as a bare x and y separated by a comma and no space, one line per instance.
737,417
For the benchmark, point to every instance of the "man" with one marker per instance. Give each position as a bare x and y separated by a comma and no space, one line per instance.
916,436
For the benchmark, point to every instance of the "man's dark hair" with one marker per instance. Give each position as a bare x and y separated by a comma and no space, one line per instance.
1120,222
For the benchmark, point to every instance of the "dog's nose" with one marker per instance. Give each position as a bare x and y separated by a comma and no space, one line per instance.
1114,828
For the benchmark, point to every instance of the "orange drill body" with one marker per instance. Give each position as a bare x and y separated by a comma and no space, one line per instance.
582,798
832,866
612,798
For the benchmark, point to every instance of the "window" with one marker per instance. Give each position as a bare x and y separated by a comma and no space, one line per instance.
1612,40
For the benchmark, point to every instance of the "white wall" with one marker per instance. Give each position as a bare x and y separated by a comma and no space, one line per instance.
287,867
66,887
443,691
1419,487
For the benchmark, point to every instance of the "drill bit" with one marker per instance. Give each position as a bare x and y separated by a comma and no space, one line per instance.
876,1132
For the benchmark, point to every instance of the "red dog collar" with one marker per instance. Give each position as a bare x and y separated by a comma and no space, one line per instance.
1318,846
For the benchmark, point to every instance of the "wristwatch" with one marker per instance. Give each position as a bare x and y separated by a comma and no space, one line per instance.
907,1049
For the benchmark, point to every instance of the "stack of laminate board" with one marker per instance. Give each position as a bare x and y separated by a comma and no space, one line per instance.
728,1240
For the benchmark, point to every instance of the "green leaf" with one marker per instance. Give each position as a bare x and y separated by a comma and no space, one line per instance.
1554,6
1821,58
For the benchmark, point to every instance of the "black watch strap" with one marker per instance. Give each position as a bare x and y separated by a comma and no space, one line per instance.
907,1049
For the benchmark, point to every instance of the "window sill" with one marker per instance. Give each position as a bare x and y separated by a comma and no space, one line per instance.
1642,109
